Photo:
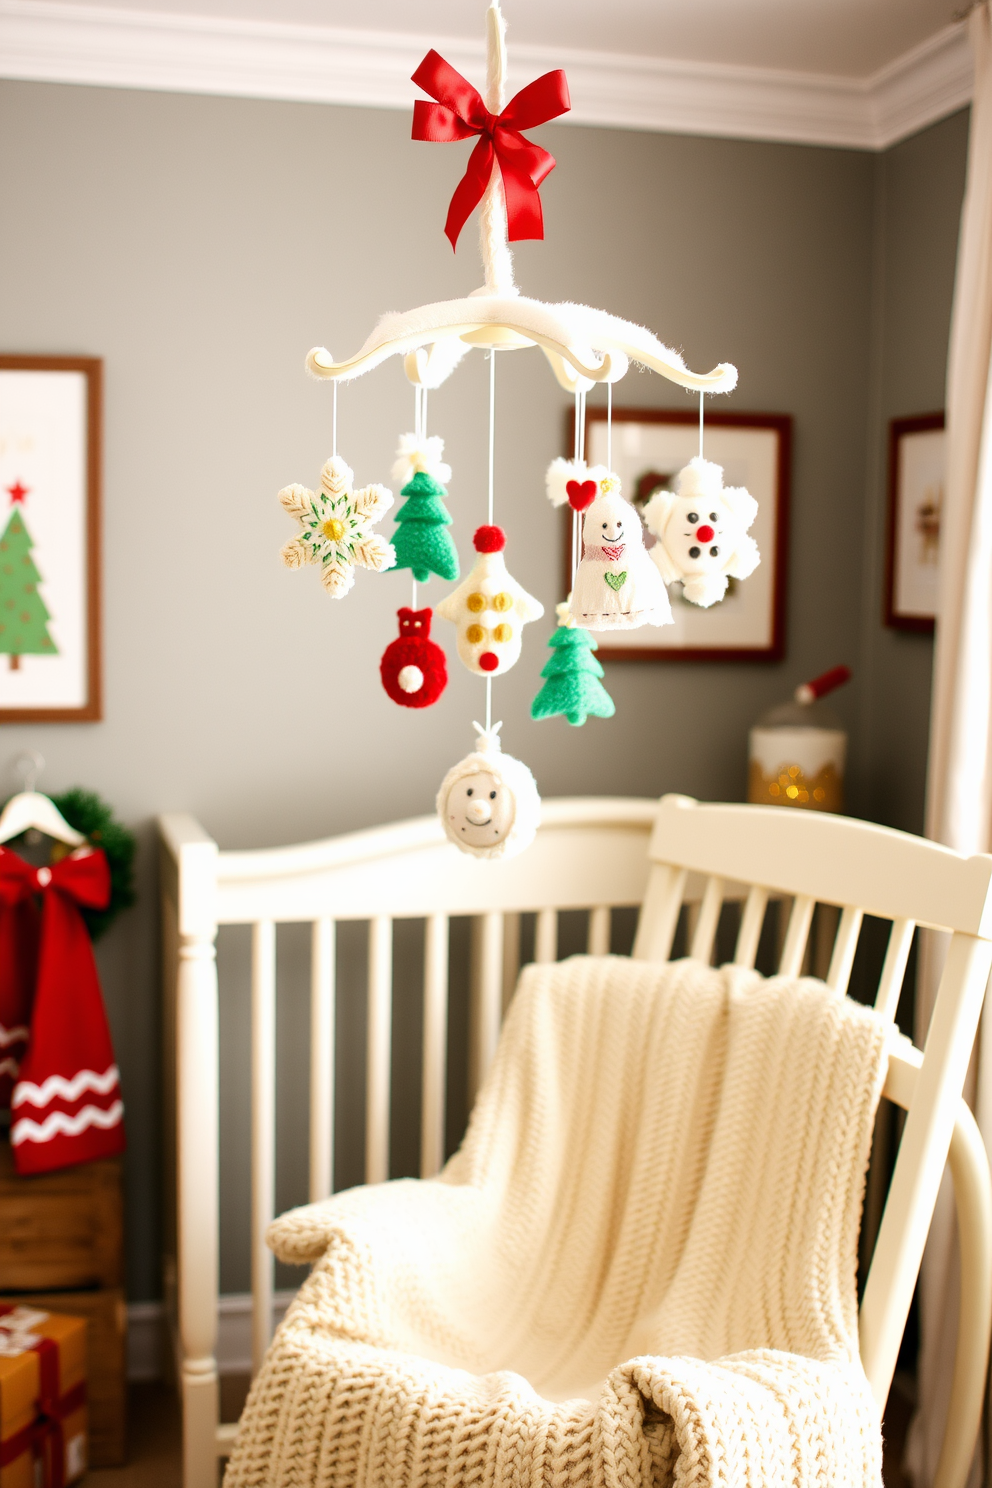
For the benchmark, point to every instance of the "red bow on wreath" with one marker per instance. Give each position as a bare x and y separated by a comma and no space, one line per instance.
460,112
66,1105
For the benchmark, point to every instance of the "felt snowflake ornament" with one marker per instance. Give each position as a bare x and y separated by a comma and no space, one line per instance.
616,585
416,455
702,532
573,482
571,686
335,527
488,803
490,609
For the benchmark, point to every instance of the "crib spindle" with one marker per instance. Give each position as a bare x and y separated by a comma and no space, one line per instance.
752,919
322,951
709,918
796,936
487,997
845,946
599,931
660,911
378,1049
894,968
435,1045
263,1130
511,956
546,936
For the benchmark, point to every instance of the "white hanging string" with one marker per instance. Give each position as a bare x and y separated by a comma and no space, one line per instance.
419,434
334,418
582,425
492,491
492,430
609,426
702,397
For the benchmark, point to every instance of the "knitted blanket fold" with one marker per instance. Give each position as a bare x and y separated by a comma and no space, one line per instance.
639,1268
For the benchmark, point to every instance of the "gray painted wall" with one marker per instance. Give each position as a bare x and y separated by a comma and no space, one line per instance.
918,189
202,245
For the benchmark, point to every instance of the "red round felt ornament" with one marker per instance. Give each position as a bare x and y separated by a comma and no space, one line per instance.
413,668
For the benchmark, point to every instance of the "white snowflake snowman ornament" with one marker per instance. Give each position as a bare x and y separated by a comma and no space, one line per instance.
702,532
488,803
335,527
616,586
490,609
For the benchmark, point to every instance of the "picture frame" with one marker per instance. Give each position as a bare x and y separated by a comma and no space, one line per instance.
50,601
755,450
917,456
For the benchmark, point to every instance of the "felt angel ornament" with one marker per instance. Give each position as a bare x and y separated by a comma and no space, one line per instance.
335,527
490,609
616,585
488,803
702,532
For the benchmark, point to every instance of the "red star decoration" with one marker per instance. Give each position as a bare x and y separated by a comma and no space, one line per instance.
17,492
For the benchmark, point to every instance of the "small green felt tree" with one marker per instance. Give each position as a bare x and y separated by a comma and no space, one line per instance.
572,673
23,616
421,539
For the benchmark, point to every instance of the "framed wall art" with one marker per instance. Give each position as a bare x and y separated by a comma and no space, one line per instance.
650,447
917,452
50,413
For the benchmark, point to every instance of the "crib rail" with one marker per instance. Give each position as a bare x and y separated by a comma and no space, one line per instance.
698,873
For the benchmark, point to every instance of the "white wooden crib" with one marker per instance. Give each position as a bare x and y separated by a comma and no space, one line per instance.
594,855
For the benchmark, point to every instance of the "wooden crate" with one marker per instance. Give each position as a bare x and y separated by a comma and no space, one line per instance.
63,1229
62,1248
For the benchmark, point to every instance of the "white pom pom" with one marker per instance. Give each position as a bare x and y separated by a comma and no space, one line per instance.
410,678
416,454
700,478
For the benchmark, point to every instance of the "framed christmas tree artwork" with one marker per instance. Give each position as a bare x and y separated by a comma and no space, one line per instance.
50,539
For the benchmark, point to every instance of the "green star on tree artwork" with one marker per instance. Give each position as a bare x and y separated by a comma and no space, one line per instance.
23,616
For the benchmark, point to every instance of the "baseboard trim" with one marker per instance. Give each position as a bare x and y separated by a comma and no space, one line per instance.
147,1336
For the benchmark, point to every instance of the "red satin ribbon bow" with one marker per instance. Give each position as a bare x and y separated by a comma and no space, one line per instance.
460,113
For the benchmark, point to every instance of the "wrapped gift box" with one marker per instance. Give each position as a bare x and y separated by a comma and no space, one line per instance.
42,1398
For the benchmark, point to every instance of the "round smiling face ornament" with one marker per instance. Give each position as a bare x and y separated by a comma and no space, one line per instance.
488,803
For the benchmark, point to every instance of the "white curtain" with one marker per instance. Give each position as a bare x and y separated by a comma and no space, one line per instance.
959,779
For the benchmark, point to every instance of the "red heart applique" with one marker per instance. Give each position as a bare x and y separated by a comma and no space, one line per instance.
580,494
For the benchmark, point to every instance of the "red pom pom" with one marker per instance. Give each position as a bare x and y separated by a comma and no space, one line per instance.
489,540
489,661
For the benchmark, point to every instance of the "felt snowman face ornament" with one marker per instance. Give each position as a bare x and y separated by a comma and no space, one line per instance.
488,803
490,609
702,532
616,585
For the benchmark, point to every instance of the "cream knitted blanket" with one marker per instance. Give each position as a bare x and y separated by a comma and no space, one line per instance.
639,1268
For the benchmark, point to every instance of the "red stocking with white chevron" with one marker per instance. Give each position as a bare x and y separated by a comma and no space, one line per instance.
66,1105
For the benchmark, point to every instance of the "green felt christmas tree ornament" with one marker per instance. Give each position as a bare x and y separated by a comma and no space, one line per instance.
572,686
422,541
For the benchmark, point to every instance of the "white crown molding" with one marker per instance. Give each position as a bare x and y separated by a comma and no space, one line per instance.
48,41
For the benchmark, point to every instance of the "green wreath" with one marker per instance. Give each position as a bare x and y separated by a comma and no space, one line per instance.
85,811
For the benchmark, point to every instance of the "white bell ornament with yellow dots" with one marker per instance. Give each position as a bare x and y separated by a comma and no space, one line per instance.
488,803
490,609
